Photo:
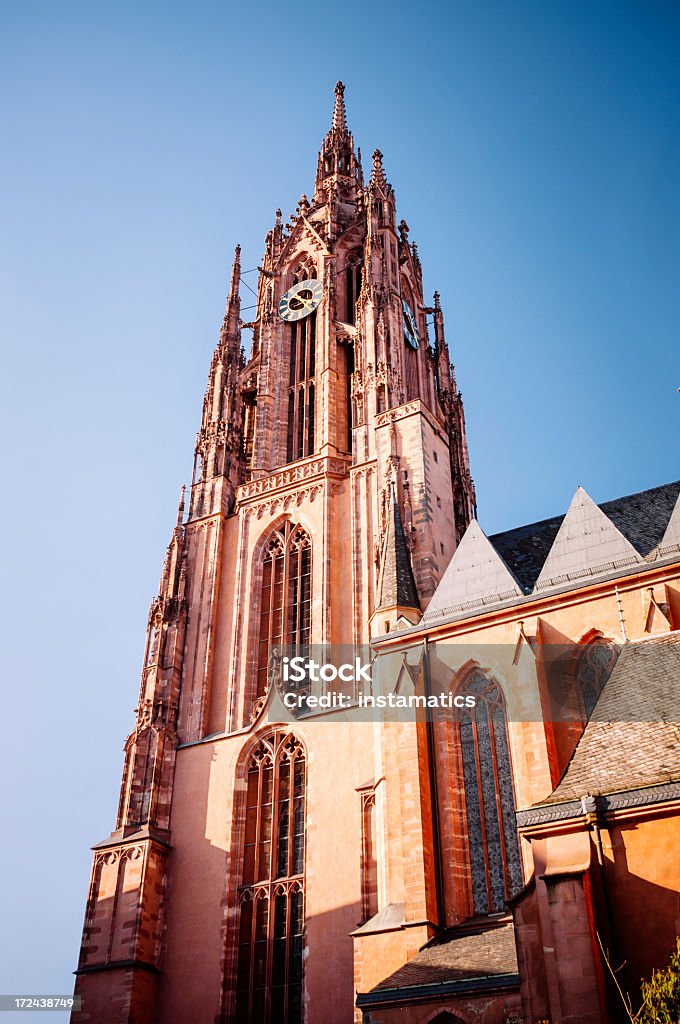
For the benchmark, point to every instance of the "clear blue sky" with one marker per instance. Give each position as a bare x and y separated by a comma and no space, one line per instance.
534,151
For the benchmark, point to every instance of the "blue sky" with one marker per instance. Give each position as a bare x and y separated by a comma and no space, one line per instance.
534,151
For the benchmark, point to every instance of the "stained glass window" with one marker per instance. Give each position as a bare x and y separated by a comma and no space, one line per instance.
271,927
489,799
592,671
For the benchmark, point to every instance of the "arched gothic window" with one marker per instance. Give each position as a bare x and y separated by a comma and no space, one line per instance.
285,597
301,377
353,272
411,384
271,926
489,798
593,669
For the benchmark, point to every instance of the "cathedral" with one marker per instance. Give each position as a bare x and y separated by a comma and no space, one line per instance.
510,861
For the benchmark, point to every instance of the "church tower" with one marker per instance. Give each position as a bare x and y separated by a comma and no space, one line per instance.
330,488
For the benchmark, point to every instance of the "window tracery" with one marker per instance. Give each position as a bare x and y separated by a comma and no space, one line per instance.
495,866
285,595
301,377
271,926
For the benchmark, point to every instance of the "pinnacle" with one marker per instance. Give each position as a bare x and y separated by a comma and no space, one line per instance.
180,506
339,117
378,173
235,272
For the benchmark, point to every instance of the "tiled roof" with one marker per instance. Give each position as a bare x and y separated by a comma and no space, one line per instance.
474,950
642,519
633,737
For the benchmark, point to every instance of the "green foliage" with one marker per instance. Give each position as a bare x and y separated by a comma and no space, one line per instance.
661,995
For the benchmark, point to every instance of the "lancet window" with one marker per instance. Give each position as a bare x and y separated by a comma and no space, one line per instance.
271,924
489,798
301,378
353,272
285,596
593,668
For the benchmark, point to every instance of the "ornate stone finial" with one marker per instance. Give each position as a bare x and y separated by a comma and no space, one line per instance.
437,304
180,506
278,218
378,174
339,117
403,230
303,205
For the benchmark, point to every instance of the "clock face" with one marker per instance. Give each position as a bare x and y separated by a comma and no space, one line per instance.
411,336
300,300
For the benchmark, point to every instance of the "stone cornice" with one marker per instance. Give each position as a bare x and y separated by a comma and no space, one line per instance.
609,805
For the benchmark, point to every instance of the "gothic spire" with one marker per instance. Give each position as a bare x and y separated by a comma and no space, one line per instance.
233,309
397,586
337,160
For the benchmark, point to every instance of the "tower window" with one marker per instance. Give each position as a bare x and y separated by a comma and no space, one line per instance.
286,596
271,927
489,799
353,275
301,399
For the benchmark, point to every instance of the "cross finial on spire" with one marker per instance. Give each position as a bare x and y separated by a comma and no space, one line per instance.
339,117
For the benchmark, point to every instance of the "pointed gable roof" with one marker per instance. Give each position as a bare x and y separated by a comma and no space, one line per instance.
475,575
641,517
396,586
671,538
587,542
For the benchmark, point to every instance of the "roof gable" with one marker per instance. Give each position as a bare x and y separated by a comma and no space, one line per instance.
475,575
587,543
671,538
641,518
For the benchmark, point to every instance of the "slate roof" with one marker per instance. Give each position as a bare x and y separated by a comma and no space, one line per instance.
473,950
396,586
633,737
642,519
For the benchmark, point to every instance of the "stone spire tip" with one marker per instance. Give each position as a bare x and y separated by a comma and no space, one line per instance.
180,506
339,116
378,173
